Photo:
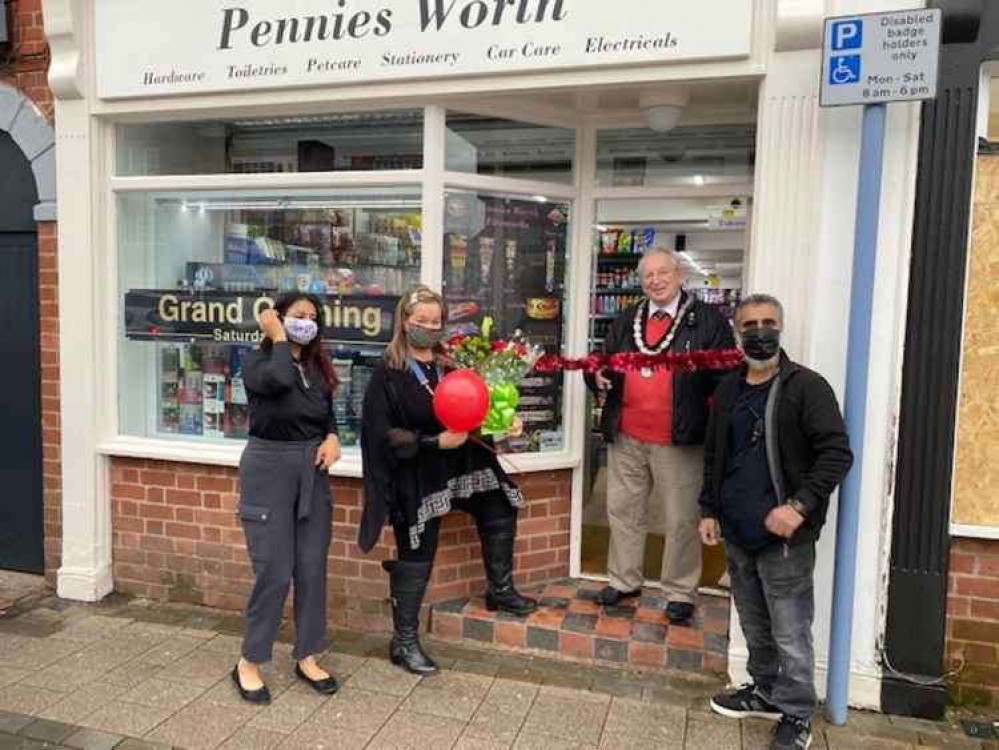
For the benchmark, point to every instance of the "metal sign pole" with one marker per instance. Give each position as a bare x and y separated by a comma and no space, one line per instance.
870,60
865,245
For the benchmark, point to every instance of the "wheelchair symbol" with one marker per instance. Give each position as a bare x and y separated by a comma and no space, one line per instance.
844,69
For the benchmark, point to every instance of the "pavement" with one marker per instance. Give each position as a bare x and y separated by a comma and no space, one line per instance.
141,675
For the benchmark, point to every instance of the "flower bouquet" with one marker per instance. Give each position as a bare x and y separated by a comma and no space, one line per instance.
502,365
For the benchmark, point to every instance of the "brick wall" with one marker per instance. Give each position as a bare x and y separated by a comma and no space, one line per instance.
48,282
25,66
973,620
176,537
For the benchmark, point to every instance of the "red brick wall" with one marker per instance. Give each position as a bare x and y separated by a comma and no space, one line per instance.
973,620
48,282
176,538
25,66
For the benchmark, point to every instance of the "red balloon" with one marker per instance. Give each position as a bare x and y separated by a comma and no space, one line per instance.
461,401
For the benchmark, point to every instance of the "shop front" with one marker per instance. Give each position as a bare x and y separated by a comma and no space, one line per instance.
520,157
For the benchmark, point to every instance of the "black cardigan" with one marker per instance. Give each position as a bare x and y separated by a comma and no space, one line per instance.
408,481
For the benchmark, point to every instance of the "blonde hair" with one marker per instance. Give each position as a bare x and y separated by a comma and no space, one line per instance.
395,352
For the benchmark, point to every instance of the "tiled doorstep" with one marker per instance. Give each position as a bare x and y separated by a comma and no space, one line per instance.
570,625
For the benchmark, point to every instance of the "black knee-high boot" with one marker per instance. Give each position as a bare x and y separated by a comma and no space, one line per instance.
497,539
408,582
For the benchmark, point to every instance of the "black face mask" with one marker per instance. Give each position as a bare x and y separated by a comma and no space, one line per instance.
761,343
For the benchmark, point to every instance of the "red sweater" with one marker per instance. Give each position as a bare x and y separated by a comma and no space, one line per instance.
647,409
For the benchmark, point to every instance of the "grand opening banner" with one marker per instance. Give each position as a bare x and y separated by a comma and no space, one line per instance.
231,317
154,48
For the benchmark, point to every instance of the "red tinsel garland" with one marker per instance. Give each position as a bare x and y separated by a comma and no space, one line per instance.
704,359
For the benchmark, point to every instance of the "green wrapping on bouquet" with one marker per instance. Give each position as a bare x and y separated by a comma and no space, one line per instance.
503,400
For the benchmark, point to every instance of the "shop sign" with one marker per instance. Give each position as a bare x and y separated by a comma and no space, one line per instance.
152,48
231,317
881,57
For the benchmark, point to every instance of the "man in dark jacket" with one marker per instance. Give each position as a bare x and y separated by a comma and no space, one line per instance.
775,451
654,423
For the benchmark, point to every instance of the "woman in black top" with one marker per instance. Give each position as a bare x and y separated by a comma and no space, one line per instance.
285,500
415,472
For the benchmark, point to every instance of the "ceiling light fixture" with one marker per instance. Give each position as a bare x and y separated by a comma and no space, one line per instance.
664,107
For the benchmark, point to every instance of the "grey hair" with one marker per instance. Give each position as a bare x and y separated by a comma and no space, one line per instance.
761,299
671,254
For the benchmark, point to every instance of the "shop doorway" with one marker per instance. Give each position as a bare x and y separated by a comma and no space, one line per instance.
696,181
21,516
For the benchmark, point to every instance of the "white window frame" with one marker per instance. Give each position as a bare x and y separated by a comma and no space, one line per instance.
433,180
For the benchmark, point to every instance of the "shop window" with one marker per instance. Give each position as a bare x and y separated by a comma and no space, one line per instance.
505,259
692,157
362,141
195,269
504,148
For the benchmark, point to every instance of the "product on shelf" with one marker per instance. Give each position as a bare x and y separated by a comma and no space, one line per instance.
487,249
458,254
213,405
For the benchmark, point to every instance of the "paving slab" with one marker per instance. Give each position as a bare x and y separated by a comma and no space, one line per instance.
382,677
412,731
356,711
11,722
712,735
157,693
495,726
289,710
251,738
449,694
200,726
128,719
472,743
572,715
47,731
92,739
24,699
657,722
10,675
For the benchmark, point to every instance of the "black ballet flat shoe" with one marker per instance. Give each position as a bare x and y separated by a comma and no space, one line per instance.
261,697
326,686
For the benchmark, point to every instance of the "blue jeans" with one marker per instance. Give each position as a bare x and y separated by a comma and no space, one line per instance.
774,595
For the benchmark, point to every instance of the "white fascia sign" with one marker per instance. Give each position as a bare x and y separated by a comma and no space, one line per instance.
152,48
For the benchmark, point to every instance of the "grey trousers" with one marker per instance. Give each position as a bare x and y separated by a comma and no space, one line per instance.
639,473
286,511
774,595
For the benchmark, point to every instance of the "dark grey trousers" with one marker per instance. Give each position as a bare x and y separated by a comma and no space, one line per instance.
286,511
774,595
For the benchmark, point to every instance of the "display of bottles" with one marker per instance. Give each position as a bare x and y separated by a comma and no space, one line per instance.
618,278
611,304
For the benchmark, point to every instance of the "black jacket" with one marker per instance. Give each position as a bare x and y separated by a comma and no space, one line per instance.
808,449
702,328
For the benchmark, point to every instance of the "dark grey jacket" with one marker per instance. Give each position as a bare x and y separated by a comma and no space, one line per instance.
808,449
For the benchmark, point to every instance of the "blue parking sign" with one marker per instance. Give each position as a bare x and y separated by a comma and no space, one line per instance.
844,69
847,35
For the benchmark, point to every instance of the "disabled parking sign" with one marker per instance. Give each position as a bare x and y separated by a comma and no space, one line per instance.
880,57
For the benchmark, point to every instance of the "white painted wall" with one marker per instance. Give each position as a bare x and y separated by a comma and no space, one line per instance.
803,253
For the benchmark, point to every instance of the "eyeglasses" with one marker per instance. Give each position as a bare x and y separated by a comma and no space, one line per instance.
658,275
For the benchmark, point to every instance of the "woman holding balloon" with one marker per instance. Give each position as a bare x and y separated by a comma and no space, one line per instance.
420,465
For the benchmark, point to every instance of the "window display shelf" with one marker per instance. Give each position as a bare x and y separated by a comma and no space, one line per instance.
237,248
